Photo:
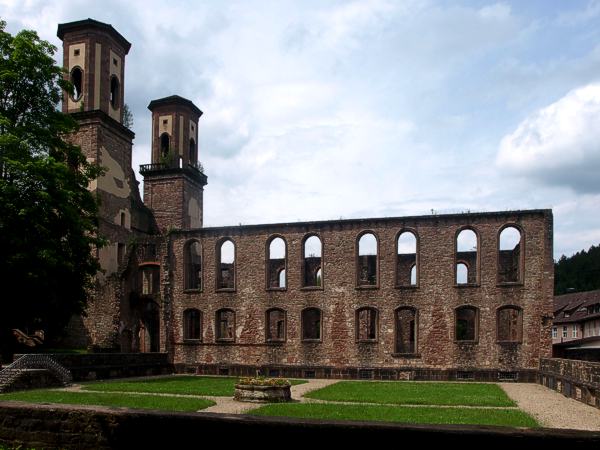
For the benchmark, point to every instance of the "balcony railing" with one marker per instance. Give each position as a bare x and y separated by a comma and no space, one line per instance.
195,168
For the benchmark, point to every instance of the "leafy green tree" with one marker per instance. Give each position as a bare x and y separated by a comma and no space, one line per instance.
48,218
579,272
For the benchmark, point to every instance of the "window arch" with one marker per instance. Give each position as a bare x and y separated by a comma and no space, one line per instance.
192,257
114,92
225,325
276,325
510,243
192,324
406,262
77,81
366,324
311,324
276,263
466,324
193,154
466,257
165,144
312,256
367,260
225,265
406,329
509,324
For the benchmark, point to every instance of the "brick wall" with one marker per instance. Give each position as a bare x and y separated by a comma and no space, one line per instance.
435,298
575,379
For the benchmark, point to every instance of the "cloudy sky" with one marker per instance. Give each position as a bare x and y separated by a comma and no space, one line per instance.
318,110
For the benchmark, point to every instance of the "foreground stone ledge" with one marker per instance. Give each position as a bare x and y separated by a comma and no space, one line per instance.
64,426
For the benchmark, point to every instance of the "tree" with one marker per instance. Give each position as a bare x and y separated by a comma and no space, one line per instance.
578,273
48,218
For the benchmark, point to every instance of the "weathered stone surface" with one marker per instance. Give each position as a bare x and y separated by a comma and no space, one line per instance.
575,379
262,394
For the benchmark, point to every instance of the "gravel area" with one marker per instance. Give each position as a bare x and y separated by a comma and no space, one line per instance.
552,409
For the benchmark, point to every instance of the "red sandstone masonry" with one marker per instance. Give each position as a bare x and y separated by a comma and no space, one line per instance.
435,298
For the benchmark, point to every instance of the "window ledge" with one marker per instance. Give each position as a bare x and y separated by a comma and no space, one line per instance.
192,341
367,341
509,342
509,284
225,290
275,342
466,342
406,355
467,285
367,286
311,288
276,289
192,291
407,286
311,341
224,341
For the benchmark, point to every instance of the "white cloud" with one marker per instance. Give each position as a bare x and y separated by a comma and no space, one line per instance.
559,144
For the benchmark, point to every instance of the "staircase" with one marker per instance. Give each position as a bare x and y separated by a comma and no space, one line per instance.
18,374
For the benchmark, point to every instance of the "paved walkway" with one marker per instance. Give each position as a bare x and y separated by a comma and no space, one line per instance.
552,409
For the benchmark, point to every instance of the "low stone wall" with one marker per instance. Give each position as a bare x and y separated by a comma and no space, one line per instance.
62,426
575,379
92,366
415,374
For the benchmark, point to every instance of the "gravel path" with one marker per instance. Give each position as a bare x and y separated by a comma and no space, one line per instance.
551,409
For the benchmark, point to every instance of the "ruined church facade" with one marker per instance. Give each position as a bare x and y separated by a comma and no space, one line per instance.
455,296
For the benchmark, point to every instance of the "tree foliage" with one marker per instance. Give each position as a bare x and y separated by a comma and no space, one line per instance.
578,273
48,218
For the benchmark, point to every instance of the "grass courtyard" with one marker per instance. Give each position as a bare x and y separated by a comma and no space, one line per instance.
401,401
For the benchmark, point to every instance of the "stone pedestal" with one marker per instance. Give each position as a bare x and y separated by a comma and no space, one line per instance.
262,394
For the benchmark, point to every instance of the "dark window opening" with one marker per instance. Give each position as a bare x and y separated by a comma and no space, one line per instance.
367,260
509,256
466,257
193,265
226,261
406,265
193,154
510,324
312,275
114,92
466,324
164,144
406,330
275,325
192,324
276,263
366,324
77,81
76,52
225,325
311,324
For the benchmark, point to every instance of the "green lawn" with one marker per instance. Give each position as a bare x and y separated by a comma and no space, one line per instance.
414,393
186,384
101,399
413,415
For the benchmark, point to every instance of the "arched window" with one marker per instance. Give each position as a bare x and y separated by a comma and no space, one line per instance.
192,324
510,324
77,81
225,325
466,326
114,92
311,324
406,330
276,263
276,325
193,265
466,257
164,144
509,255
150,279
311,262
366,324
226,265
366,267
193,154
406,263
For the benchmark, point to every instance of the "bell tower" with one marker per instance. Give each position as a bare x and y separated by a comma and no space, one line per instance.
174,181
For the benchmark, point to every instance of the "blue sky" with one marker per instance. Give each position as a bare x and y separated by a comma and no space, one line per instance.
318,110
